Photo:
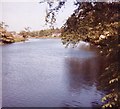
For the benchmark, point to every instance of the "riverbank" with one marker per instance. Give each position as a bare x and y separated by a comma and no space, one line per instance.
45,37
13,40
21,39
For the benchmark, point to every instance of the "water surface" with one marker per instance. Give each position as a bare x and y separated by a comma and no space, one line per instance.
43,73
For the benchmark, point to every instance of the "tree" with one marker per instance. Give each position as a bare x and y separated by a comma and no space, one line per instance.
26,32
52,10
97,23
3,25
27,29
90,23
5,36
23,33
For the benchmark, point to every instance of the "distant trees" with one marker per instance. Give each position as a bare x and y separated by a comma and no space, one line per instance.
11,36
5,36
25,33
44,33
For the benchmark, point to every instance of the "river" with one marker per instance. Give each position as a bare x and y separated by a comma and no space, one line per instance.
43,73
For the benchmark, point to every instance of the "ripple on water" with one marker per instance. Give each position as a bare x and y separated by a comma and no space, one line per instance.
41,73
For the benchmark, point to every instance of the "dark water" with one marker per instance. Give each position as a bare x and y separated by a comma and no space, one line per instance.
42,73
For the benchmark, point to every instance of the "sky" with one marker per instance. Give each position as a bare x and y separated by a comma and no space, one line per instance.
19,14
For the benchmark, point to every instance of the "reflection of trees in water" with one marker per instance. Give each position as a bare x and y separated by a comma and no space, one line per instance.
82,73
104,71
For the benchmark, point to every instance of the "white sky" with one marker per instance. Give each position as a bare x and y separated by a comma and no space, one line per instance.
19,14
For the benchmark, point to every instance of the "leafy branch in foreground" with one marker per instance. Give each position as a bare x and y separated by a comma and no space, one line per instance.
53,7
98,23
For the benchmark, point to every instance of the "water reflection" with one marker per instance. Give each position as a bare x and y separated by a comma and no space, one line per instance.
44,74
81,74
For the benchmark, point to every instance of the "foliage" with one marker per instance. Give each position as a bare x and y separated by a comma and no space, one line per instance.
3,25
10,37
5,36
90,23
25,32
52,9
44,33
97,23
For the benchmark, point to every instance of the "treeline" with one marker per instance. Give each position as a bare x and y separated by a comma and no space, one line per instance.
45,33
11,36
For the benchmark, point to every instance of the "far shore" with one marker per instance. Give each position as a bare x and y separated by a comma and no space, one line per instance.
17,39
44,37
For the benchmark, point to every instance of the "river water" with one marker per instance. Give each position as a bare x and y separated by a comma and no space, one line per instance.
43,73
